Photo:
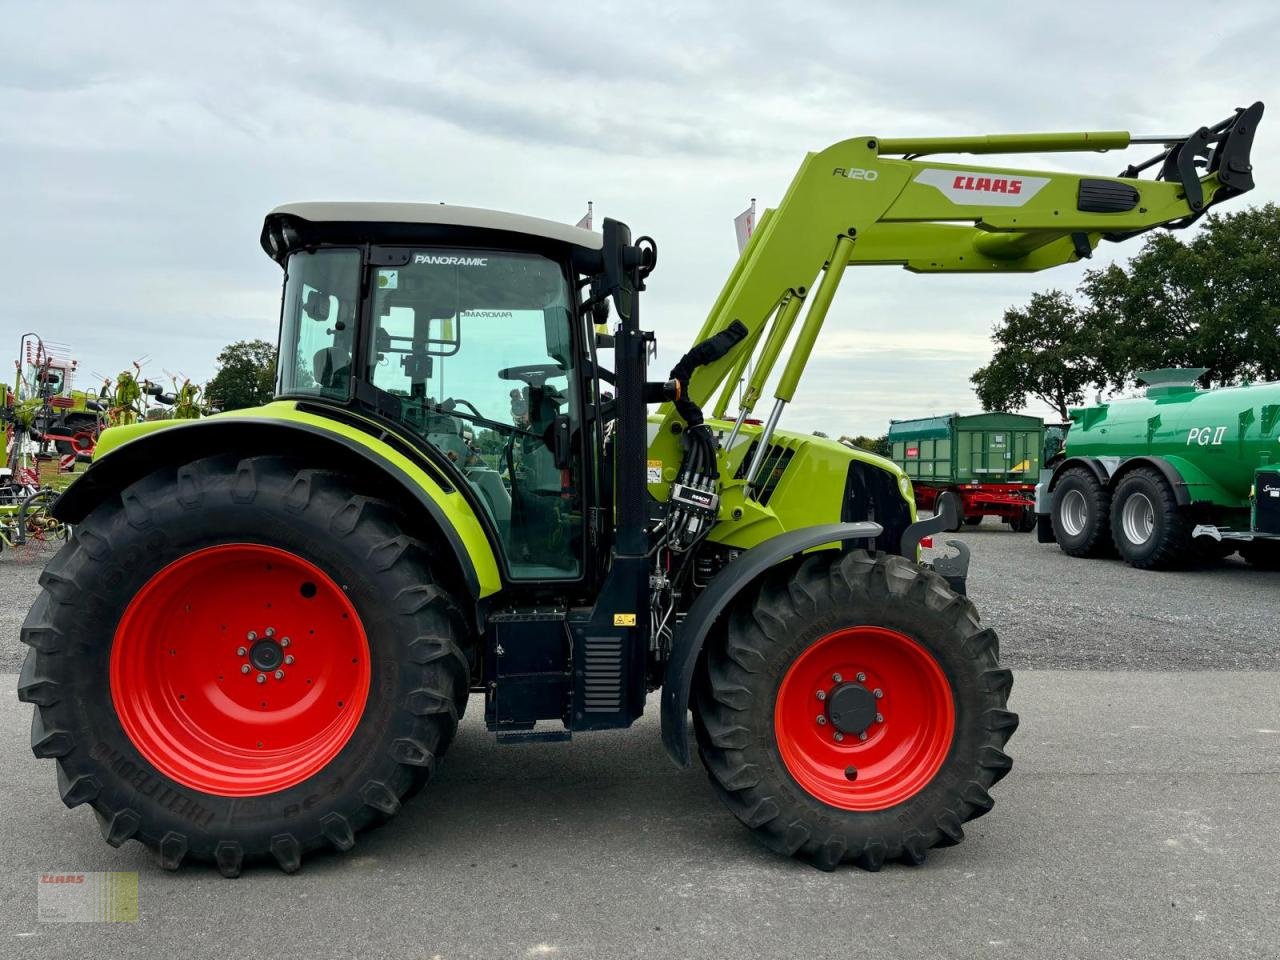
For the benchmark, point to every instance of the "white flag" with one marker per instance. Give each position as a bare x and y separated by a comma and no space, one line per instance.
585,222
744,223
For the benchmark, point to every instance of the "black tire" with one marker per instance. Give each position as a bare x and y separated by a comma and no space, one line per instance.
1025,522
796,609
75,423
1085,529
950,497
416,639
1263,554
1148,528
972,521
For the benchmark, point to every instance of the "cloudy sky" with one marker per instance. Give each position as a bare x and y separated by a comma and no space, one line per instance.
141,145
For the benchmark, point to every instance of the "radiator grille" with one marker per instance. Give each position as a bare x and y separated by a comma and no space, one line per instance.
776,459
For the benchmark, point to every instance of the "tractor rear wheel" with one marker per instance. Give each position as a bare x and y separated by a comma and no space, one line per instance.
855,710
1080,513
236,661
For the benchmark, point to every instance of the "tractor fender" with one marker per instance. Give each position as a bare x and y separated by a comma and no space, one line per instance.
409,480
738,574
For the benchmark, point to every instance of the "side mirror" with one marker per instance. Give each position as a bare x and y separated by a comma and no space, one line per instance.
617,252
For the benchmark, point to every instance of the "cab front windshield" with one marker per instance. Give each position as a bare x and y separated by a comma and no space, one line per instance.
477,347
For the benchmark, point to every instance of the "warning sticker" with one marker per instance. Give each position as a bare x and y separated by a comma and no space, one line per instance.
655,471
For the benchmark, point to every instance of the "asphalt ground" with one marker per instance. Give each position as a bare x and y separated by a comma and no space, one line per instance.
1139,820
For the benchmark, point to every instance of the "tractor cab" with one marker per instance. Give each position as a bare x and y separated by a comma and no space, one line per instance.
461,327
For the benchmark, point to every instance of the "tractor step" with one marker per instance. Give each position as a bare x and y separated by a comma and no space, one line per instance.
533,736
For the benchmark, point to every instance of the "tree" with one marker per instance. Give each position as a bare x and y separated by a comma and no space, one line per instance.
1213,302
246,375
1045,350
877,445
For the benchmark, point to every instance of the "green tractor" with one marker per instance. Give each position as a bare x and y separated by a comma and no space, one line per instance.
263,633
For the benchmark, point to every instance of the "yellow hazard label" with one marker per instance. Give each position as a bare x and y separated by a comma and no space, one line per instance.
653,472
624,619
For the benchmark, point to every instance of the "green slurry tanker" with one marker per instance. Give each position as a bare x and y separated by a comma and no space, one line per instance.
1163,479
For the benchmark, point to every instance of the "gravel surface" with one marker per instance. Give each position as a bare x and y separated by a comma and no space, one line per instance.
1051,611
1055,611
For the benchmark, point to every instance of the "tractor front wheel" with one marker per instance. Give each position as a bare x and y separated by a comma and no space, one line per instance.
855,710
235,661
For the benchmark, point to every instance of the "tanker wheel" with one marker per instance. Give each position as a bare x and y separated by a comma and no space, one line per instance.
1080,510
1263,554
242,661
854,710
1149,529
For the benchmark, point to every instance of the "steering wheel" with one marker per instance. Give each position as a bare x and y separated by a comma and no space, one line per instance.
534,374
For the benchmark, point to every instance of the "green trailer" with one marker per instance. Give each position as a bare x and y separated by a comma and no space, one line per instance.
1173,476
987,462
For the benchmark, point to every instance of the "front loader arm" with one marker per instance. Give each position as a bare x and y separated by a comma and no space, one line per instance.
873,201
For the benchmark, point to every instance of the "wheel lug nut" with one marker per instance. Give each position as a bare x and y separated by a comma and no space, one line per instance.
879,718
862,735
279,674
861,676
241,651
288,661
822,694
251,636
839,737
262,678
878,693
284,642
245,668
837,678
822,721
271,631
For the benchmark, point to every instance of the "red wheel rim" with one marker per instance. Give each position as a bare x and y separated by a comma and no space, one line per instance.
181,688
906,740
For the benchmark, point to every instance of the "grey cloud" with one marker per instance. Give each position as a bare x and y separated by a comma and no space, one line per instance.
142,143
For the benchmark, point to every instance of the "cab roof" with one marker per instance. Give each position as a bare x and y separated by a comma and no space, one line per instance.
332,219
